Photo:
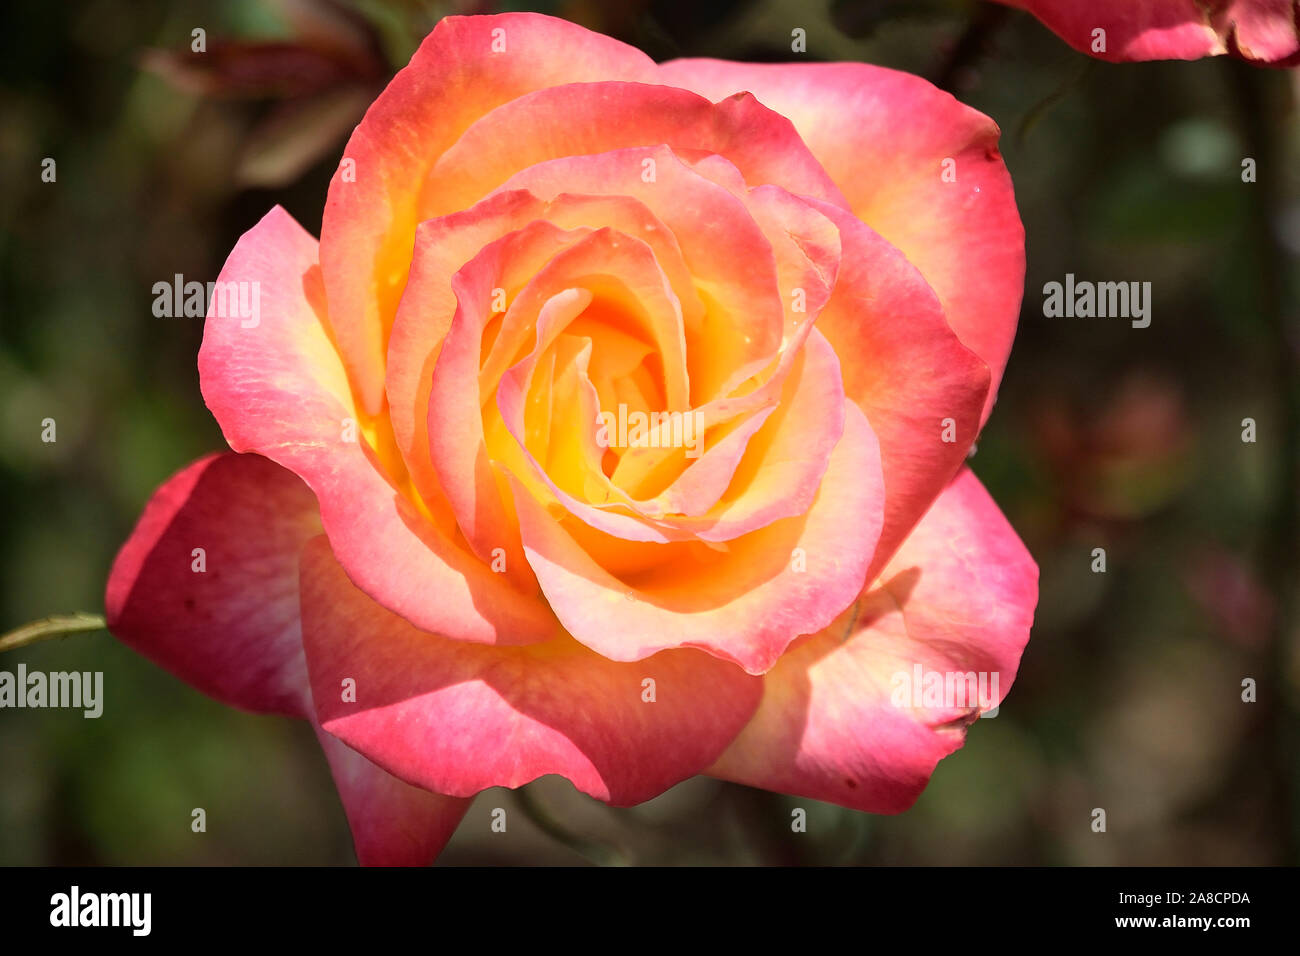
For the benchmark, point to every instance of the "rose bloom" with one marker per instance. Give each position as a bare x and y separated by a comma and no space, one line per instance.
435,542
1265,32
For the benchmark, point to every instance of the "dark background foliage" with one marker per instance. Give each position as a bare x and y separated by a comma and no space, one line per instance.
1105,436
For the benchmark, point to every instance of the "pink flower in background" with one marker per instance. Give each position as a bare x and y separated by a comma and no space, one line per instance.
438,540
1266,32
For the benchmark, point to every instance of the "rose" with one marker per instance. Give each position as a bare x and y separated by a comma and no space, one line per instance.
534,231
1266,32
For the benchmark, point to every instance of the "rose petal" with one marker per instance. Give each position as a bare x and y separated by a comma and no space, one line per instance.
457,445
744,604
786,459
1267,31
443,246
457,718
1260,30
731,261
392,823
589,118
278,388
958,597
465,68
906,370
230,629
884,137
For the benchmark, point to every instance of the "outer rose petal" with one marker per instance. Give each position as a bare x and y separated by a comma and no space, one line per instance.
883,136
233,632
465,68
958,596
393,823
457,718
906,370
232,629
278,388
1264,30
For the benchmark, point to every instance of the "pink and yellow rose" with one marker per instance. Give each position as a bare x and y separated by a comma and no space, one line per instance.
429,540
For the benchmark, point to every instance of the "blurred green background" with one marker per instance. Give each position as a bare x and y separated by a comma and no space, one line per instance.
1129,696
